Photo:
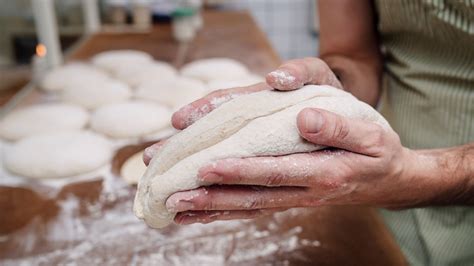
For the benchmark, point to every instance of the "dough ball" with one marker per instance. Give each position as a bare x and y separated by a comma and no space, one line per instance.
232,83
58,155
214,68
71,74
172,93
42,118
96,94
130,119
133,169
144,73
115,60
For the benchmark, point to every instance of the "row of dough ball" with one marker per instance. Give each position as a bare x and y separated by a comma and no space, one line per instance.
54,143
51,140
92,86
137,68
131,119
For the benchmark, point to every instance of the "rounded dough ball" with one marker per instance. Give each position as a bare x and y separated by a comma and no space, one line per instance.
58,155
71,74
96,94
133,168
130,119
232,83
42,118
144,73
172,93
214,68
115,60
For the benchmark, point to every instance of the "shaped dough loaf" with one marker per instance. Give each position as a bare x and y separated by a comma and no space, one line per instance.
258,124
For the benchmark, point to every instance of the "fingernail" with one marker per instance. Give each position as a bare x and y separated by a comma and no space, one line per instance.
149,152
212,178
313,121
180,206
181,201
282,77
187,218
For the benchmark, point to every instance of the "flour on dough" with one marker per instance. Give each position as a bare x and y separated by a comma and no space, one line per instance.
130,119
173,93
95,94
257,124
71,74
115,61
57,155
42,118
133,168
214,68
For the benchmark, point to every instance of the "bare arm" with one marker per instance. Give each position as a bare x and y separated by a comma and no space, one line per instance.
349,45
445,175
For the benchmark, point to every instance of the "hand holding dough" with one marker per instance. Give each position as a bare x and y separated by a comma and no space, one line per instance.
258,124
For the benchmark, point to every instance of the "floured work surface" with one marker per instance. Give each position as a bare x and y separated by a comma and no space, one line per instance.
91,222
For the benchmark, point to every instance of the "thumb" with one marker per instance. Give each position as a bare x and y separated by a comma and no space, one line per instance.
329,129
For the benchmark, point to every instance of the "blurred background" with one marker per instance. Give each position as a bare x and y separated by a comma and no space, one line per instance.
291,26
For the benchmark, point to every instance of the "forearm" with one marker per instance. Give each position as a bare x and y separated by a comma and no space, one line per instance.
349,45
444,176
360,76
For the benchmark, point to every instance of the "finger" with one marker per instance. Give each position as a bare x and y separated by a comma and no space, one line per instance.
211,216
150,151
296,73
329,129
235,198
192,112
328,169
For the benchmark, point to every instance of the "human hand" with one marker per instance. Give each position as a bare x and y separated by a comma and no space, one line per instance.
368,167
291,75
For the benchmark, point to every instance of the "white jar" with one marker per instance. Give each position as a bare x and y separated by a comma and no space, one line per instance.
183,24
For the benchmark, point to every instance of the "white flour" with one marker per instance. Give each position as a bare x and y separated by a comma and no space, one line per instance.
116,237
283,78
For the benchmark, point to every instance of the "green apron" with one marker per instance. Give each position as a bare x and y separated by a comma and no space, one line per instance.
429,87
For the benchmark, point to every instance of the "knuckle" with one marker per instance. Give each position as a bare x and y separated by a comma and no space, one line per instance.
256,203
204,201
275,179
377,139
340,130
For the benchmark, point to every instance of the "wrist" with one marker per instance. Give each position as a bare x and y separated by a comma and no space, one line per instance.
443,176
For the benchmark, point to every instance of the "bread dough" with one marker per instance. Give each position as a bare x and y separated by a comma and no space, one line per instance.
116,60
96,94
58,155
71,74
224,121
145,73
214,68
133,168
42,118
233,83
257,124
130,119
172,93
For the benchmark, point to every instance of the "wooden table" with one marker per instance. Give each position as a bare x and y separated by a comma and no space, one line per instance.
226,34
343,235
